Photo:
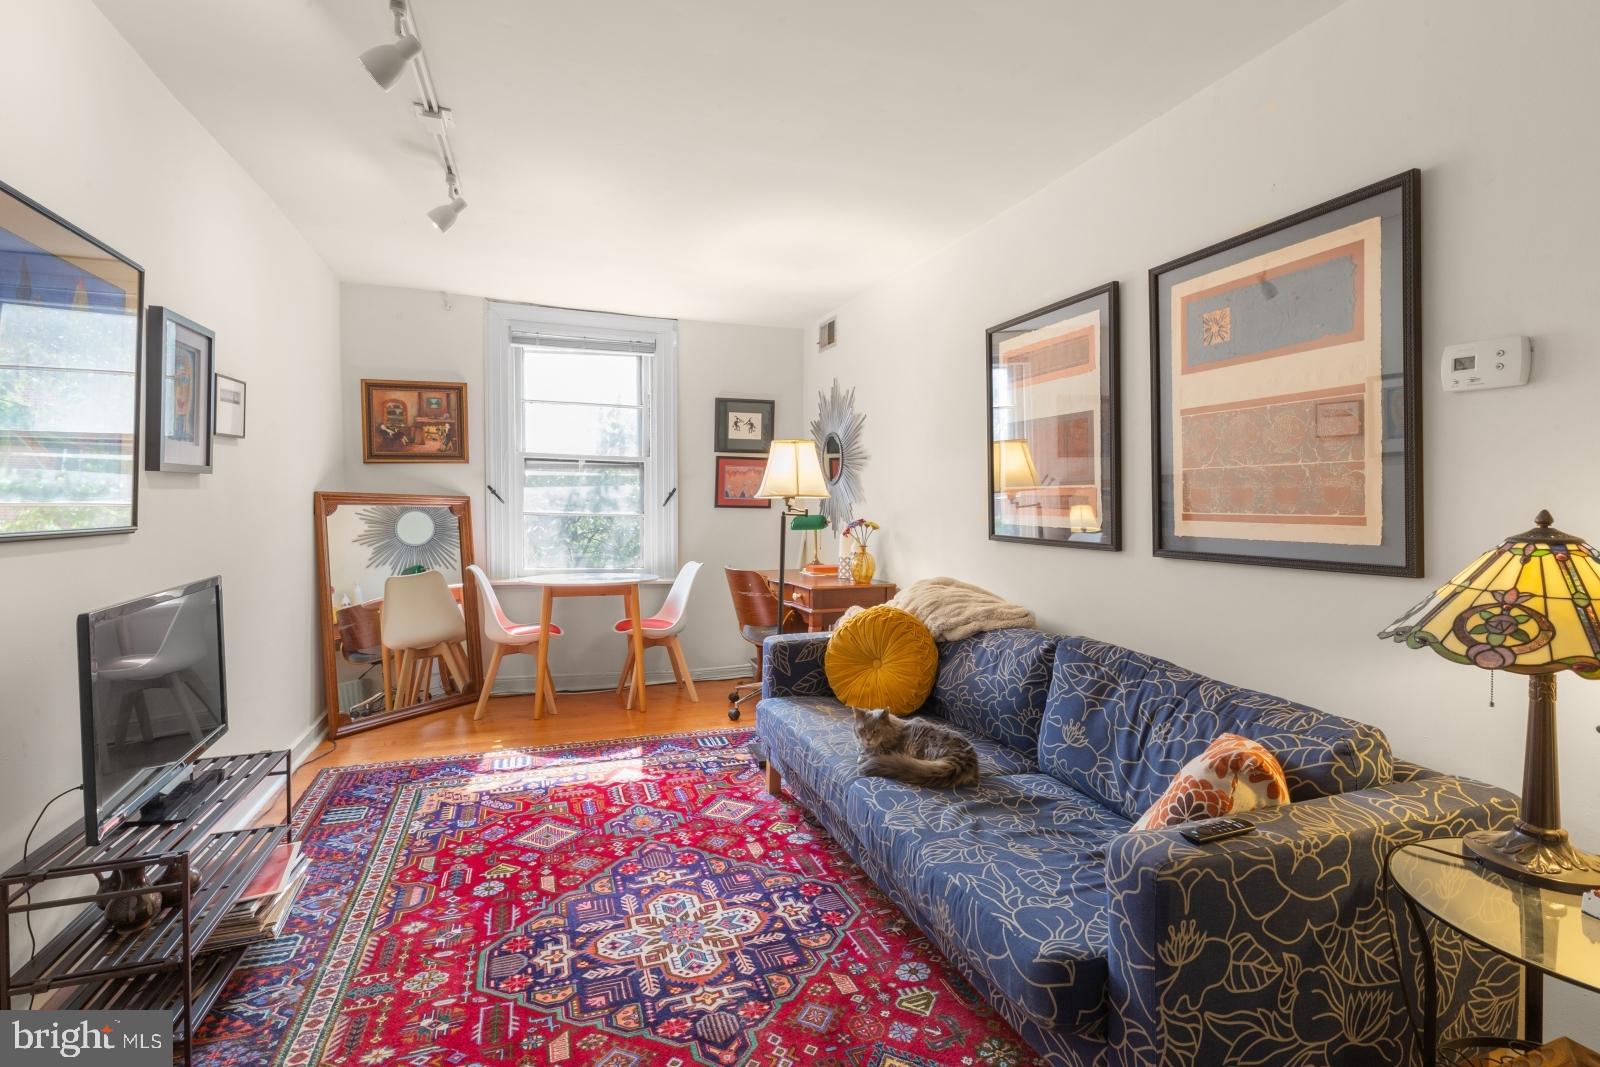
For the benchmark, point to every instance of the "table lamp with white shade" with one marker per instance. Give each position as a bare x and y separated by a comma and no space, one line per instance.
793,472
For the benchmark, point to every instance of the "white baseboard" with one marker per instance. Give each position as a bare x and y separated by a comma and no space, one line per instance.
507,684
306,743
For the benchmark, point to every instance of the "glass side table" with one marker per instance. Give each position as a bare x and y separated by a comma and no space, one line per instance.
1544,930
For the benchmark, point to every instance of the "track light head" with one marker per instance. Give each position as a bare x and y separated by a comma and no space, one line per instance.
386,62
444,216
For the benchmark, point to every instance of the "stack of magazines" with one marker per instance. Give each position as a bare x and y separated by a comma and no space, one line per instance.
260,914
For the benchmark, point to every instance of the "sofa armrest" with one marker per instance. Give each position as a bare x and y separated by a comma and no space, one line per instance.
1277,946
791,666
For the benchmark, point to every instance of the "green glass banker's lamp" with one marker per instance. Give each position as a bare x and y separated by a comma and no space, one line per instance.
1528,607
793,472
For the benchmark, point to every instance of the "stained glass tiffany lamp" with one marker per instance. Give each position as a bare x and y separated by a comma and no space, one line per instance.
1528,607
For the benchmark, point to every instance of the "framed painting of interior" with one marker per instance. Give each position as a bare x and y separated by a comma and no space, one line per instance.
69,377
413,422
1055,465
1286,411
397,611
178,393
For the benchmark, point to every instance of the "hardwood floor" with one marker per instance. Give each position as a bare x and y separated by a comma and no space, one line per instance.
508,723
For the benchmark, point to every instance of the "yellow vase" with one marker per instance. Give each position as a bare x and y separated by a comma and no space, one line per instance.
862,566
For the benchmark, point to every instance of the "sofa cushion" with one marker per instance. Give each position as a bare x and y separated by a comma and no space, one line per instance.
994,684
1119,725
1008,877
882,658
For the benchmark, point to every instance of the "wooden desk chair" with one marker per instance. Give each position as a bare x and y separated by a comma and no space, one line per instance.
755,607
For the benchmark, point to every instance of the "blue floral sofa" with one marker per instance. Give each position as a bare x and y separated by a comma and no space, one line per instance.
1107,947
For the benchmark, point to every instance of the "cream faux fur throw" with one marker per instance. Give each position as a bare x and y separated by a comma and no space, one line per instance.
954,609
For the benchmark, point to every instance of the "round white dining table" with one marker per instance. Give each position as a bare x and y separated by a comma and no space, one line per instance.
589,583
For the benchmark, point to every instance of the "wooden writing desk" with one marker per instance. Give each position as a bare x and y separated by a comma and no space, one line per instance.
821,599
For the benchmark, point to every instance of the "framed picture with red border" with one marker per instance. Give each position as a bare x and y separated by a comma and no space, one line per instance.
738,478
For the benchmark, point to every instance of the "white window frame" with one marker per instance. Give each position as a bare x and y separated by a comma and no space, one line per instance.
503,393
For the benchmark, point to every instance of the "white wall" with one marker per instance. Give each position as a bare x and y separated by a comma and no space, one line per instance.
1496,105
408,333
93,135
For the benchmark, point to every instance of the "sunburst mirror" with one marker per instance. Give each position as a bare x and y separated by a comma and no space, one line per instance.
838,431
404,539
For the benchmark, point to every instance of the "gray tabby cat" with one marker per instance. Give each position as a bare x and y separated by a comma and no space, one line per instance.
914,751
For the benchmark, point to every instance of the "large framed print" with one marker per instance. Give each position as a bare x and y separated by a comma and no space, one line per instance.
1055,467
178,393
69,378
1286,408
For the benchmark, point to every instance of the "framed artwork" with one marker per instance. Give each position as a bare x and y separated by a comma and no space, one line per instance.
413,422
1055,456
744,425
738,479
178,361
69,378
1286,411
227,419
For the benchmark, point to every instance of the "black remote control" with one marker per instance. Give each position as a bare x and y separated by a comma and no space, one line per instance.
1203,833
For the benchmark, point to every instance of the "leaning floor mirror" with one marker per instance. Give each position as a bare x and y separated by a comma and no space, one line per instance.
400,631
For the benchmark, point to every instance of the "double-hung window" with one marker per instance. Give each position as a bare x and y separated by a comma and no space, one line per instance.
582,433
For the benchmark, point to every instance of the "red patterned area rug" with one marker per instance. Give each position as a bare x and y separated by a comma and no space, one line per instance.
625,904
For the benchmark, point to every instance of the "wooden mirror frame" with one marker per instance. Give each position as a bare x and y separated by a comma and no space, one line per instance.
323,506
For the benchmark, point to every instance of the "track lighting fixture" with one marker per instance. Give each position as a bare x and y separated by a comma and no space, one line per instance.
386,62
444,216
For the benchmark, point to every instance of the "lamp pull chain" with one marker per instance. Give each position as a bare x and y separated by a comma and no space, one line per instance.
1491,689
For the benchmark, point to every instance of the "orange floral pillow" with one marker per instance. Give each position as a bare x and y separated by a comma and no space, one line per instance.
1233,774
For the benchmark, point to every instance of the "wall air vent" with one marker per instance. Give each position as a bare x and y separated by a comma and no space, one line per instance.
827,334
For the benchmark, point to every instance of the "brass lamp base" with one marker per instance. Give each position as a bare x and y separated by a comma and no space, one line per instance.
1536,849
1545,858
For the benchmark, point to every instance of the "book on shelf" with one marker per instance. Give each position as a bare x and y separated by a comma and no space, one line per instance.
263,908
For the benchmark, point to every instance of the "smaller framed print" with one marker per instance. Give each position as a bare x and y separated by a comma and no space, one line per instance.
178,354
738,479
744,425
413,422
227,419
1055,456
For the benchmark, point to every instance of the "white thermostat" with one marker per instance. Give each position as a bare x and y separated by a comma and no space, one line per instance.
1495,364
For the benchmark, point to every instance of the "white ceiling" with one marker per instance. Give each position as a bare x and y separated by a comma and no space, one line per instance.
734,160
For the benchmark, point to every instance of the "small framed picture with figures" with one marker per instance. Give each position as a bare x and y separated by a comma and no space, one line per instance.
744,425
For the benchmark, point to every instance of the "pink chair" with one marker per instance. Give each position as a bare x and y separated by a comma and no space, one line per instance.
662,629
508,638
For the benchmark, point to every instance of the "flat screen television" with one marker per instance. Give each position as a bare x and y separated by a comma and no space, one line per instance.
153,695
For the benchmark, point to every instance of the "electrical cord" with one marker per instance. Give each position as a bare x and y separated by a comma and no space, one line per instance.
27,894
332,744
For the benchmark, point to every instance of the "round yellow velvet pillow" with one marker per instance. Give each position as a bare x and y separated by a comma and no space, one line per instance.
882,658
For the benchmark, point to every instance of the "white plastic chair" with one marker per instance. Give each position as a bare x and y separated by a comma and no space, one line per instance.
422,622
508,638
662,629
